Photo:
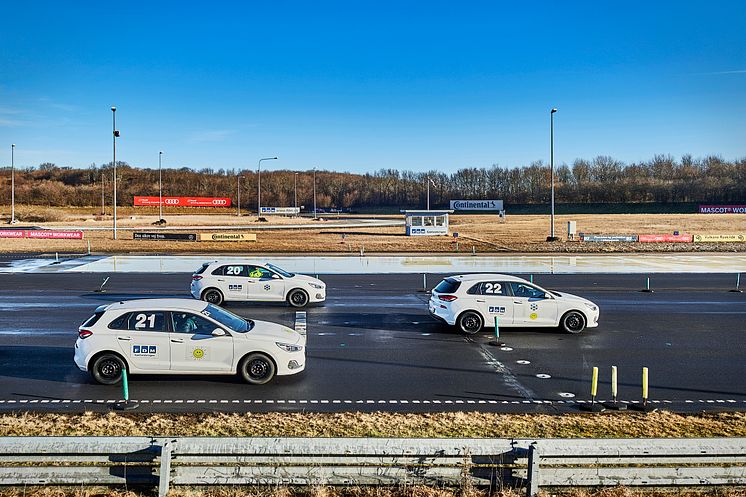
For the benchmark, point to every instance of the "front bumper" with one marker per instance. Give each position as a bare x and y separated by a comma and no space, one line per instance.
316,295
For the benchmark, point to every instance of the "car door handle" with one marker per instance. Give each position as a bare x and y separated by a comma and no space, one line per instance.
126,339
518,302
177,340
481,301
220,279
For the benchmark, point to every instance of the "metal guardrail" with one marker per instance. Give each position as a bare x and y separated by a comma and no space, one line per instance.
368,461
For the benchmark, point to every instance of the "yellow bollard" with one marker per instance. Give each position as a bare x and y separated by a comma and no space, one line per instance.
644,387
594,384
613,384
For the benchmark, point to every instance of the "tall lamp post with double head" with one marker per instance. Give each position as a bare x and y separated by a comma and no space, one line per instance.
12,183
551,237
160,187
314,193
115,132
295,190
429,180
259,185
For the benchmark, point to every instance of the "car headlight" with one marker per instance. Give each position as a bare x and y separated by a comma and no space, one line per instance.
287,347
316,286
592,307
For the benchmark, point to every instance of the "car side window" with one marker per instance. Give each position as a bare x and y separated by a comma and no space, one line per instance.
235,270
524,290
259,272
186,322
139,321
494,288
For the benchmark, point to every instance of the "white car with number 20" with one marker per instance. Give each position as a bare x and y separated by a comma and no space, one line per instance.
183,336
218,282
473,301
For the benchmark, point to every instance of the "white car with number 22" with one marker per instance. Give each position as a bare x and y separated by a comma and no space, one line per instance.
473,301
218,282
183,336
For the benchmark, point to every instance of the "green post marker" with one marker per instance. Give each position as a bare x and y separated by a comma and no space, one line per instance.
125,387
497,329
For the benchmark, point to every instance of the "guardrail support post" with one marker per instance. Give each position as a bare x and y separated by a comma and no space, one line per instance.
532,478
164,474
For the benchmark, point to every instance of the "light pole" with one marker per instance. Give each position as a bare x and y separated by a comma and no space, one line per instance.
429,180
551,237
314,193
12,183
238,190
160,187
259,185
115,132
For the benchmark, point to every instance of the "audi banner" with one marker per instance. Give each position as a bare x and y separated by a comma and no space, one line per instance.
184,201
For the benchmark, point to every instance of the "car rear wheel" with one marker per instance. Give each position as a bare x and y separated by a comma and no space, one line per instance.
257,369
470,322
213,296
297,298
573,322
107,369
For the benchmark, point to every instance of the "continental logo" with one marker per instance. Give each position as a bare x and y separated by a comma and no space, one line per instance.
735,237
227,237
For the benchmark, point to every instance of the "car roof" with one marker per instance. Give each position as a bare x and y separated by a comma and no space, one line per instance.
234,262
486,276
158,305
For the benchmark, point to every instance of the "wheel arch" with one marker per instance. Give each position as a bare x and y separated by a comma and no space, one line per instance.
104,352
207,289
476,311
247,354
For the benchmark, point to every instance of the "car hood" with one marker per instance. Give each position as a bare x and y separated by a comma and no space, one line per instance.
275,332
570,297
307,279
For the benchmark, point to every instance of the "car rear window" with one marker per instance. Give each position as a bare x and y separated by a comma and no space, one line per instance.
448,285
93,319
201,269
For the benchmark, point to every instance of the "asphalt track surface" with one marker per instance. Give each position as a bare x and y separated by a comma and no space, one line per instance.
373,347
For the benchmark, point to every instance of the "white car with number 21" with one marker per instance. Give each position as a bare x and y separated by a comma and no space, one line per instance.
473,301
218,282
183,336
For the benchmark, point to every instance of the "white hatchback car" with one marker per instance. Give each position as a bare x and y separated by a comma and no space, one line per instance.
473,301
182,336
218,282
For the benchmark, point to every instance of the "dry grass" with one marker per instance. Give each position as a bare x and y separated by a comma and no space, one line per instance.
483,233
435,425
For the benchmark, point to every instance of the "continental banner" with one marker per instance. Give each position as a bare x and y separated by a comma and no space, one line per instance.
737,237
227,237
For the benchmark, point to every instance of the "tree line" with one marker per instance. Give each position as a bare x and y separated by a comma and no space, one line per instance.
663,179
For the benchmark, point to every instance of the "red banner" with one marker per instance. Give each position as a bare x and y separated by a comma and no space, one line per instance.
11,233
722,209
665,238
184,201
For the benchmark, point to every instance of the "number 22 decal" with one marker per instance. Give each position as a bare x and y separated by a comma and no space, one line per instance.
493,288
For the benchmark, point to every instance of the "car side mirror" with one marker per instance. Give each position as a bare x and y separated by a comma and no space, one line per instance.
218,332
276,277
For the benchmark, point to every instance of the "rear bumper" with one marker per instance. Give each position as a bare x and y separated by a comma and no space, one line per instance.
441,314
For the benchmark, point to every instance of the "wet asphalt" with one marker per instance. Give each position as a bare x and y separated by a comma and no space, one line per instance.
373,347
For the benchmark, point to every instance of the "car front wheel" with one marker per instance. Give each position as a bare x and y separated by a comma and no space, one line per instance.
213,296
470,322
573,322
107,369
257,369
297,298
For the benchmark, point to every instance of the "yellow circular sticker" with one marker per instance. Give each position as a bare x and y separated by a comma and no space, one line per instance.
198,353
534,315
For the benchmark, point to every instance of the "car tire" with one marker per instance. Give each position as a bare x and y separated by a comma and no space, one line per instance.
212,296
470,322
257,369
573,322
297,298
107,369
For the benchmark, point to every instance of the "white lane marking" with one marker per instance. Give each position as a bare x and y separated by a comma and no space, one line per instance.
543,376
523,362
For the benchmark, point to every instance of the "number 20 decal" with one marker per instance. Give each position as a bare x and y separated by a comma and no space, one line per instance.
493,288
233,270
142,318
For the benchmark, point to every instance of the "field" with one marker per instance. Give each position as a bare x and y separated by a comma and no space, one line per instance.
479,233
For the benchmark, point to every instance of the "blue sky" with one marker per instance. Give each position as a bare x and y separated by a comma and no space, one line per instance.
358,86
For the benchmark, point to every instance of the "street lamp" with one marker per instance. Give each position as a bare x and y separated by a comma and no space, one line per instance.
429,180
115,132
314,193
295,190
12,183
551,237
160,187
238,190
259,185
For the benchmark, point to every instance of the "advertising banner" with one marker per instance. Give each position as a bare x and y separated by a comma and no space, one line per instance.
227,237
57,235
184,201
280,210
187,237
665,238
12,234
735,237
608,238
722,209
476,205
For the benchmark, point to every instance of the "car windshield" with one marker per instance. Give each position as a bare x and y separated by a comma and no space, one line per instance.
280,271
228,319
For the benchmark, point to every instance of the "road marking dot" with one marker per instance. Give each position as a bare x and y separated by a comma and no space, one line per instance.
523,362
566,395
543,376
506,349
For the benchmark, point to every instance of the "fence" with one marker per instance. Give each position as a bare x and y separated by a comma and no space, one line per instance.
365,461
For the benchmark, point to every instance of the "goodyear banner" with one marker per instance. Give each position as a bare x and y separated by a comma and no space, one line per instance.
738,237
608,238
227,237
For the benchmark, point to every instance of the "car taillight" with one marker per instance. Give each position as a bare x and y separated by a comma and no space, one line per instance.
83,334
447,298
196,277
